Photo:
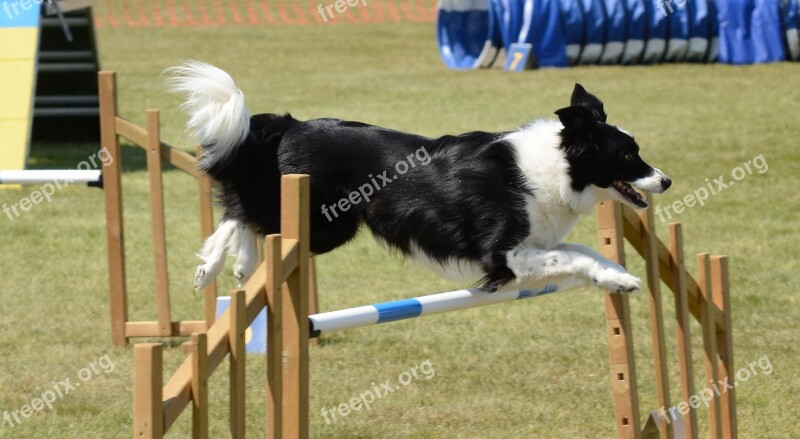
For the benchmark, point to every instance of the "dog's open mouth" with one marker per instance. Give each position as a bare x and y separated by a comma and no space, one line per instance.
630,194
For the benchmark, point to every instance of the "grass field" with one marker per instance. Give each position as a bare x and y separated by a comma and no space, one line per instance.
534,369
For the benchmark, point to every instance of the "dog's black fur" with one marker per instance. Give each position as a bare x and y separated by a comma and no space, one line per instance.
466,204
471,202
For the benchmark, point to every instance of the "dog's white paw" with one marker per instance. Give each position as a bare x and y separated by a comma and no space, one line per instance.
242,273
201,278
616,281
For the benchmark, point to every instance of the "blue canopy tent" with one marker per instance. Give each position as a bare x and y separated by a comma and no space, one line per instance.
636,31
594,31
615,32
469,35
750,32
572,21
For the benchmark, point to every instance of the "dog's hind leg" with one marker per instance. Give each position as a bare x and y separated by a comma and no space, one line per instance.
246,255
213,254
532,265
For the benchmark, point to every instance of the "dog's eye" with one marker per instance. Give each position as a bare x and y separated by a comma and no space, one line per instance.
628,156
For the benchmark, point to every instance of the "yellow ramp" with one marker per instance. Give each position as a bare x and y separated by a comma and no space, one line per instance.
19,40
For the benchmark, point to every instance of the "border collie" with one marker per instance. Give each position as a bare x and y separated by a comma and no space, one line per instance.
490,207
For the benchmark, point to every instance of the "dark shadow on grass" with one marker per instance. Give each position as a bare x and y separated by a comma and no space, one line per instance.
69,155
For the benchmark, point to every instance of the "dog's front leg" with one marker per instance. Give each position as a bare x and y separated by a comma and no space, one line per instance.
246,255
562,266
213,253
588,251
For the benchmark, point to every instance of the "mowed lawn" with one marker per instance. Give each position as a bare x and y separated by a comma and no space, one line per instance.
532,369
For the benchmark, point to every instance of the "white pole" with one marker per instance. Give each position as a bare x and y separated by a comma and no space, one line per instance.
38,177
417,307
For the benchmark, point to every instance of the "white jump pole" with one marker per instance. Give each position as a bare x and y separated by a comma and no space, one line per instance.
39,177
417,307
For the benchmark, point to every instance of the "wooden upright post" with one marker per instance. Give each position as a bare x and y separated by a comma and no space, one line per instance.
112,192
148,417
199,354
274,266
650,239
295,193
313,303
157,222
683,318
236,339
709,341
721,293
618,327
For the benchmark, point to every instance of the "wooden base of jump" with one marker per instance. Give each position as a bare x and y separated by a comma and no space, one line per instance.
281,285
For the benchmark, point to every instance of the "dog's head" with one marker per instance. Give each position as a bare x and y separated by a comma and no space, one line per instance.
603,155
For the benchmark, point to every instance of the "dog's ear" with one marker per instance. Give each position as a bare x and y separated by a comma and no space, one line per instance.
583,98
577,118
579,124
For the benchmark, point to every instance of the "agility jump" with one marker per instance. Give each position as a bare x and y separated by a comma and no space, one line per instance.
281,284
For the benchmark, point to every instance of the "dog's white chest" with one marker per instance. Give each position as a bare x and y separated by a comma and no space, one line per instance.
549,222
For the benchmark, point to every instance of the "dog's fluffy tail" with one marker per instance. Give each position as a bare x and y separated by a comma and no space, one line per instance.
218,114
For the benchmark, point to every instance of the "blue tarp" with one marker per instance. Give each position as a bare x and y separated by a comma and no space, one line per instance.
750,32
699,30
790,16
567,32
615,31
572,25
542,28
713,43
657,20
636,31
678,33
594,31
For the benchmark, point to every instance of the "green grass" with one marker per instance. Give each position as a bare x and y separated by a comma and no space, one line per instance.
536,368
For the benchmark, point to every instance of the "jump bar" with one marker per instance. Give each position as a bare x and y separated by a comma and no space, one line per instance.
413,308
39,177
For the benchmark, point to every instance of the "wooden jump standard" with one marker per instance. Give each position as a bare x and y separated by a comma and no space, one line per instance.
112,127
281,282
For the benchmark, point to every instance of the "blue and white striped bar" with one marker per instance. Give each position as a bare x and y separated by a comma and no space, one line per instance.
38,177
417,307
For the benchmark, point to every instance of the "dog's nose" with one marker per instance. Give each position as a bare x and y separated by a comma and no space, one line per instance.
666,183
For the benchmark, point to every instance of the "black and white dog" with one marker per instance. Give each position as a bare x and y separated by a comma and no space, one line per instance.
489,207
